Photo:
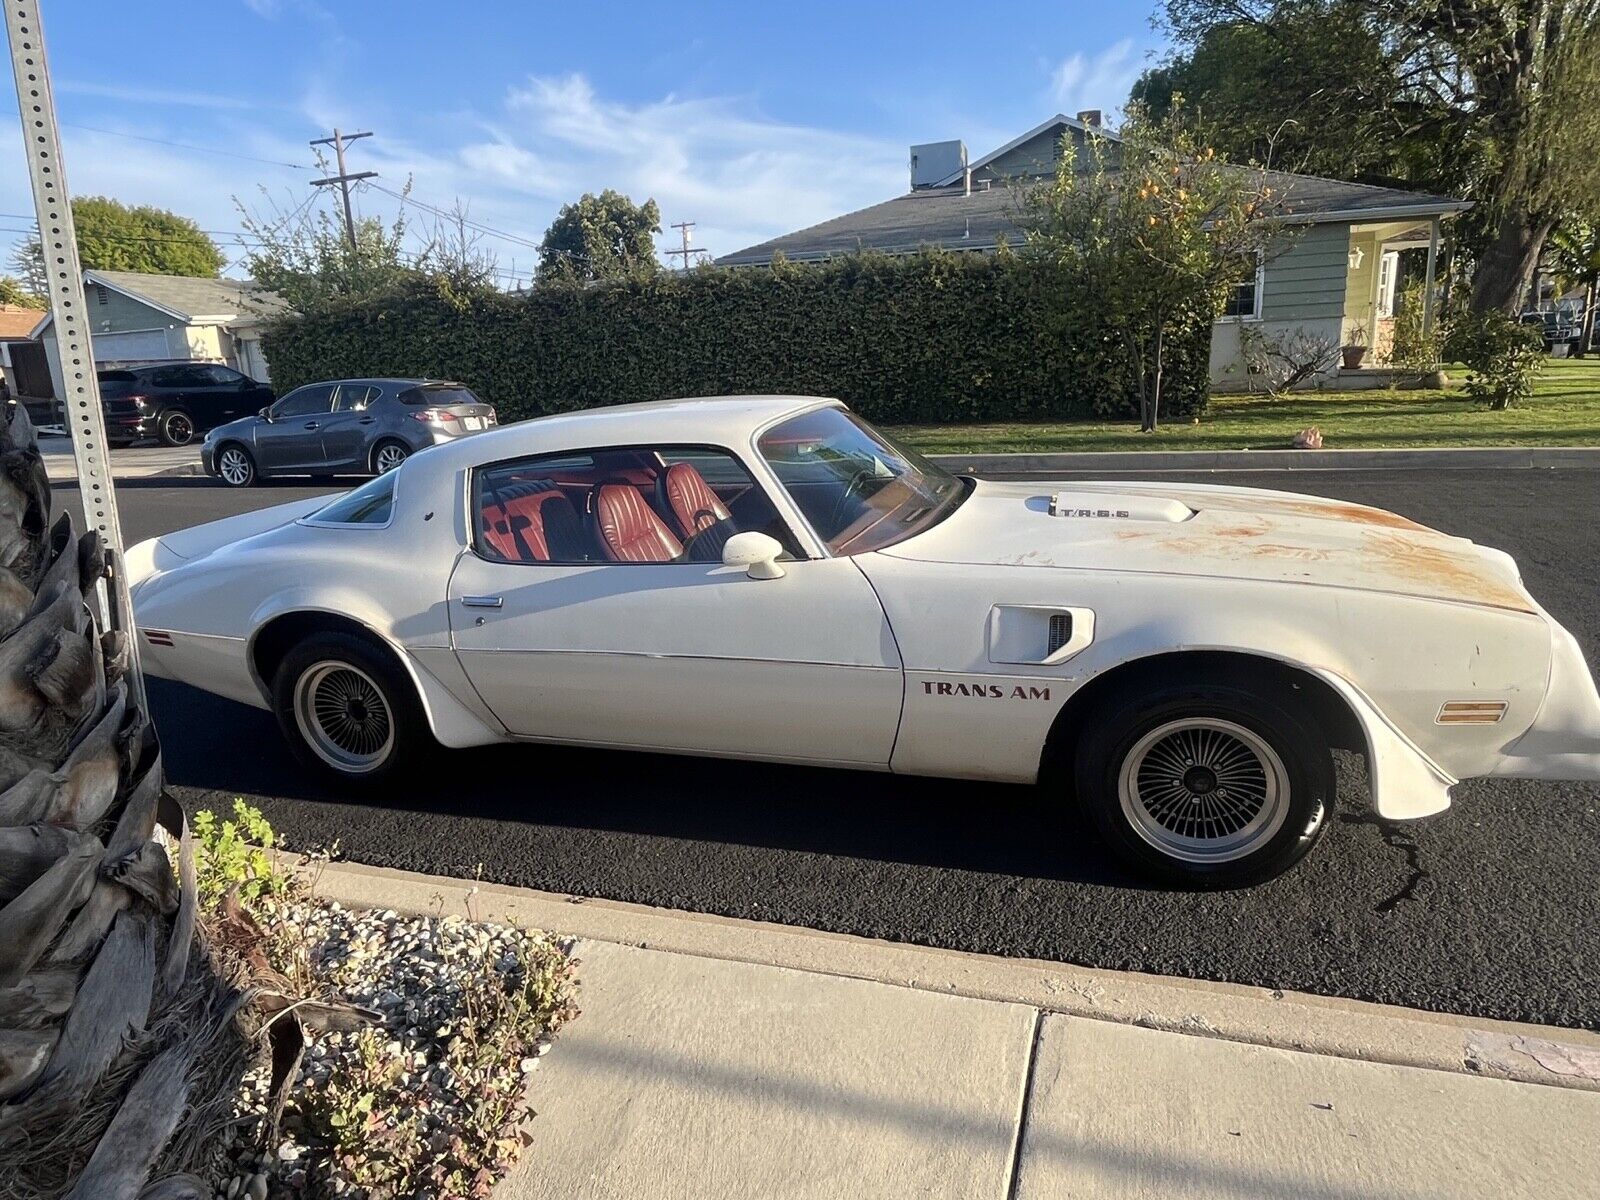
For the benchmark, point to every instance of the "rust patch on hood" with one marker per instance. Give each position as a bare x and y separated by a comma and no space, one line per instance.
1441,567
1337,510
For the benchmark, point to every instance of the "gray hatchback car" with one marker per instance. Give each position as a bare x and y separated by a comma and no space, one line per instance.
343,427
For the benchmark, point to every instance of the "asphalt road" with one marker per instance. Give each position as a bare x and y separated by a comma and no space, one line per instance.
1491,909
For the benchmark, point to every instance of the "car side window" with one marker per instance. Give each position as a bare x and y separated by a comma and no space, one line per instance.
670,504
217,376
169,377
305,402
354,396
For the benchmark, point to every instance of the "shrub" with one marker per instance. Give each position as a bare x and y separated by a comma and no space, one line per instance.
931,337
1414,349
1501,355
1281,362
236,854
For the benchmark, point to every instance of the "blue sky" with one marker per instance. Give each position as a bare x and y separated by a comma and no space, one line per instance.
750,119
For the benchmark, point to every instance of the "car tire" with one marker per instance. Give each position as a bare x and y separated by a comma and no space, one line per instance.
1156,768
348,710
175,427
389,454
235,465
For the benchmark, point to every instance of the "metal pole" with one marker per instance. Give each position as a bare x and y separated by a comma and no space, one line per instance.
1427,281
64,278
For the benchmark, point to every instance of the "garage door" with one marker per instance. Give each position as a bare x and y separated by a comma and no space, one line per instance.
149,345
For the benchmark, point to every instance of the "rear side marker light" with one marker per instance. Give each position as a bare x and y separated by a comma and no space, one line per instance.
1471,712
158,637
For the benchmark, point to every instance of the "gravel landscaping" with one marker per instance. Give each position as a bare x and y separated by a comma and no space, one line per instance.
428,1099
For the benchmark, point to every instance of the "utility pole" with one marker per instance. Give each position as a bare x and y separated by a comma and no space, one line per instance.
338,141
683,228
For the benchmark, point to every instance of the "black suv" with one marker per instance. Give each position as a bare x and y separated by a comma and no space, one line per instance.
176,401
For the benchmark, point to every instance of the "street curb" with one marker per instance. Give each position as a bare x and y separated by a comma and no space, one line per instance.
1492,458
1351,1029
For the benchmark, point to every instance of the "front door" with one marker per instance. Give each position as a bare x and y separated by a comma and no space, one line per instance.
292,439
642,638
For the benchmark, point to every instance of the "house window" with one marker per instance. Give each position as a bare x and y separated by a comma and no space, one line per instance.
1388,270
1244,300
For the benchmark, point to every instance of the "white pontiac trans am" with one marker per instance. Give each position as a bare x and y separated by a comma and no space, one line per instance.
768,577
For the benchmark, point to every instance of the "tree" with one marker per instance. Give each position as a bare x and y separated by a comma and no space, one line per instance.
1162,230
601,237
307,258
110,1024
15,293
115,237
1501,95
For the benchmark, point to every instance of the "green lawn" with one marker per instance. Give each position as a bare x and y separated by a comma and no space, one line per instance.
1564,411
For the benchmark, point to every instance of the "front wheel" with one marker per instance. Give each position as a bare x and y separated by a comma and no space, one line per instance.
235,467
348,709
1209,785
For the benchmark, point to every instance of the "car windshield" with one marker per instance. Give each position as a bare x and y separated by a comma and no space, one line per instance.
369,504
857,487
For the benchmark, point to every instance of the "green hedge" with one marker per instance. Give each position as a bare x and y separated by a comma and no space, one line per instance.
933,337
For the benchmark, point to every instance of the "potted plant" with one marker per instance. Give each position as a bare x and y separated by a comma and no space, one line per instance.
1355,348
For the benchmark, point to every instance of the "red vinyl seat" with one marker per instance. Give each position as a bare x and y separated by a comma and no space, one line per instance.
628,529
703,520
534,523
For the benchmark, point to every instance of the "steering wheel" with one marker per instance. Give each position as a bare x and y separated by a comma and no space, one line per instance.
837,521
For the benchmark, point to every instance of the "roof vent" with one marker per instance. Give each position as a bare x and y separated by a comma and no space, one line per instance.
934,162
1092,117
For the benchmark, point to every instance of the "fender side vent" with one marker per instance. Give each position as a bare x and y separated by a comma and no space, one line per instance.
1060,633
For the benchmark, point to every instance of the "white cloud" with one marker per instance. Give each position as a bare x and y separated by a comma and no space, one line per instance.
142,95
1101,80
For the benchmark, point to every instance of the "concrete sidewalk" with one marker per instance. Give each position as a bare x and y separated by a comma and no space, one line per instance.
709,1062
143,461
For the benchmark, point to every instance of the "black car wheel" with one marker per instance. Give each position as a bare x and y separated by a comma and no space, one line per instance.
348,709
386,456
235,467
1207,785
175,427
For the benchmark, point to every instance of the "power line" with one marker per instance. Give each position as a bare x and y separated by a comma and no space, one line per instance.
479,226
139,137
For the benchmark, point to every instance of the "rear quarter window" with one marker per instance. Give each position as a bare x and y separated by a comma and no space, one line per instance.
370,504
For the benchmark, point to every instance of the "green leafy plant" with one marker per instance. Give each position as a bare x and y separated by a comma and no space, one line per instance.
1415,348
1502,356
236,853
935,337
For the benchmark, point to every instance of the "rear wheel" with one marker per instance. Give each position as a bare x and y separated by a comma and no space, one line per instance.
235,467
386,456
1206,784
348,709
175,427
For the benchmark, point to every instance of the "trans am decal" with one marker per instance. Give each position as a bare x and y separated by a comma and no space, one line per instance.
984,691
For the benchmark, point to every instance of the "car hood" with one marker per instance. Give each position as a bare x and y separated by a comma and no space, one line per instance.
1218,532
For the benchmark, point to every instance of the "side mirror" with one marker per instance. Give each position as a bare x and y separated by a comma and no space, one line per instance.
266,413
756,553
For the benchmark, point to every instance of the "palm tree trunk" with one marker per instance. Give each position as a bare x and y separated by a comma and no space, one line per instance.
109,1034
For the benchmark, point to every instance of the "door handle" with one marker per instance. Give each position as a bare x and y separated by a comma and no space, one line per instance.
482,601
367,421
312,425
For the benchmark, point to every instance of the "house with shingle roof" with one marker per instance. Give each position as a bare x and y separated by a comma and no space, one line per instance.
1336,281
137,318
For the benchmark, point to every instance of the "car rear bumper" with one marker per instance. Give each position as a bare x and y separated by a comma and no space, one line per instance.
208,457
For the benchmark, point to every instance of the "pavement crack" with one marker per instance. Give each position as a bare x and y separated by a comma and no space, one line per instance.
1396,837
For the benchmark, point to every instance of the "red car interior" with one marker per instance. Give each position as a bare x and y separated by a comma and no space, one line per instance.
628,528
703,520
636,509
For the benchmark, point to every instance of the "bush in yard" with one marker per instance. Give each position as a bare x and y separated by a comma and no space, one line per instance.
934,337
1502,356
1414,349
1278,363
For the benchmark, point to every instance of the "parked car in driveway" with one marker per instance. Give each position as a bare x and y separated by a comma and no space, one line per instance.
343,427
771,578
175,402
